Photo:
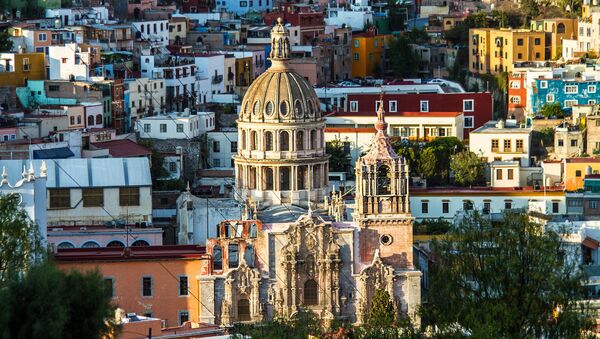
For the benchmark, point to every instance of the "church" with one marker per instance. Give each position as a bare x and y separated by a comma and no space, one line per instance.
293,248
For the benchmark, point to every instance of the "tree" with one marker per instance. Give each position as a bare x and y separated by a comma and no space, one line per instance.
467,168
303,324
435,157
403,59
6,44
552,110
339,161
511,279
530,8
381,313
20,242
418,36
410,152
50,303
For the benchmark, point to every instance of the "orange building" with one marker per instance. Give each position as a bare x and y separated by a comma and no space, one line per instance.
517,94
575,170
154,281
368,52
17,68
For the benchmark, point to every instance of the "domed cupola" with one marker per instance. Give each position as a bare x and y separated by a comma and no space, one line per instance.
281,144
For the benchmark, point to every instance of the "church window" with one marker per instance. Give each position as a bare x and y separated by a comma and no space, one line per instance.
284,173
383,180
249,255
233,255
217,258
268,141
313,139
283,107
310,108
253,140
284,141
386,239
298,108
301,179
243,310
299,141
311,293
243,139
269,178
256,109
269,108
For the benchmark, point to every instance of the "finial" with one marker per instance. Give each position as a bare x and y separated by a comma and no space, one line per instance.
381,125
4,176
31,171
188,187
43,169
279,21
24,173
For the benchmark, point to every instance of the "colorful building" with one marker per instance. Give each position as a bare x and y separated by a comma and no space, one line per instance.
495,50
368,53
17,68
557,30
154,281
575,170
517,94
567,92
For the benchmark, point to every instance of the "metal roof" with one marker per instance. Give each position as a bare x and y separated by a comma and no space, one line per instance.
85,173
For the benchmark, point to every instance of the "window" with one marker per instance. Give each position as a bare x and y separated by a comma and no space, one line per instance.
146,286
555,207
183,285
537,41
520,145
163,128
184,316
179,128
510,174
217,258
519,56
311,292
147,128
561,142
592,89
519,42
140,243
570,103
467,205
65,244
243,309
543,84
445,207
515,99
216,162
93,197
60,198
234,146
537,55
495,145
233,255
574,143
216,146
110,286
578,173
353,106
42,37
129,196
115,243
424,106
355,56
468,105
594,204
571,89
356,43
486,207
591,102
424,207
498,174
90,244
507,145
468,122
549,97
393,106
53,88
507,204
172,167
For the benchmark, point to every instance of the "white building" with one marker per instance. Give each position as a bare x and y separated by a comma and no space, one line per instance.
93,114
511,174
79,16
155,32
144,96
222,146
244,6
212,68
94,191
355,19
502,141
447,203
183,125
69,62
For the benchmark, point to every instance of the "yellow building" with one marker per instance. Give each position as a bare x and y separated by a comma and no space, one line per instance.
368,52
575,170
494,50
559,29
17,68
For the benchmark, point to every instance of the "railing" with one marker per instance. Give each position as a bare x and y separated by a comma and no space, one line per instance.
217,79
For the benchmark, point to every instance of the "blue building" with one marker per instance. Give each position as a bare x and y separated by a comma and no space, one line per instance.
568,93
241,7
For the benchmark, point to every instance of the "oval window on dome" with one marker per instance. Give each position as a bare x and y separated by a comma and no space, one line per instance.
298,109
283,107
256,108
269,108
310,108
246,104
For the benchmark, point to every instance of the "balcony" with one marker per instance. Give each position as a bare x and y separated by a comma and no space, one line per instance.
217,79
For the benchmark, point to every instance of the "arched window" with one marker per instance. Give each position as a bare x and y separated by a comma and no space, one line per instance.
253,140
115,243
284,173
311,293
233,255
252,178
268,173
217,258
301,179
99,119
243,139
90,244
243,310
313,139
316,182
560,28
268,141
383,180
284,141
249,255
140,243
299,141
90,120
65,244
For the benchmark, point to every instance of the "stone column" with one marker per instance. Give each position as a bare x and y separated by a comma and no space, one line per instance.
208,299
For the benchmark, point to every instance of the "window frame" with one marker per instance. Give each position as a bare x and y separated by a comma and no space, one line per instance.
128,192
185,288
472,101
60,204
151,288
90,197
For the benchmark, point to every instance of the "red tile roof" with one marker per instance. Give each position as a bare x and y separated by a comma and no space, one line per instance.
123,148
582,160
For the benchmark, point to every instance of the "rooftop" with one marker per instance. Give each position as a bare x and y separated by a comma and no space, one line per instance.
123,148
501,126
130,253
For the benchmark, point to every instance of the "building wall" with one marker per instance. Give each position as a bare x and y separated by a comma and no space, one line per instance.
368,52
18,74
568,144
102,237
192,126
68,62
592,127
481,144
575,170
165,302
221,156
517,95
555,90
156,31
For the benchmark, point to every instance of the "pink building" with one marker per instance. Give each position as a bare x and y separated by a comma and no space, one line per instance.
104,236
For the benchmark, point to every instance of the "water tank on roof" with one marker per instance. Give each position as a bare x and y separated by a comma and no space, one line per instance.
57,23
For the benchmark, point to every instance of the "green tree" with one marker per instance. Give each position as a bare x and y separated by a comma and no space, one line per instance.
6,44
552,110
339,161
418,36
467,167
303,324
530,8
410,152
19,239
435,158
403,59
511,279
381,313
49,303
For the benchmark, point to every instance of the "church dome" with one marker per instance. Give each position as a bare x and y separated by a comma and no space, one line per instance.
280,94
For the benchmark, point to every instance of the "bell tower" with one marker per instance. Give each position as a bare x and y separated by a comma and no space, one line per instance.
382,201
